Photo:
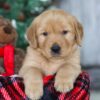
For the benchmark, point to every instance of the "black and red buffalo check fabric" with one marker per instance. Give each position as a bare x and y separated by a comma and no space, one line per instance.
12,88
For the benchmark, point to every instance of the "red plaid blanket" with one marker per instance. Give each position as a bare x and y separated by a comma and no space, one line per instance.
12,88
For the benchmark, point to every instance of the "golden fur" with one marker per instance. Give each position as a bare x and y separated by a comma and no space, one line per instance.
39,60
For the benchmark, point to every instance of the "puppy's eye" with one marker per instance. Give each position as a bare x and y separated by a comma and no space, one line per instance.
64,32
45,33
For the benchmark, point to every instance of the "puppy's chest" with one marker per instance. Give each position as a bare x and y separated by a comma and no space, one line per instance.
37,60
50,68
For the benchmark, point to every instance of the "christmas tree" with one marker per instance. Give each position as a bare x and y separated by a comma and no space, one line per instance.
21,13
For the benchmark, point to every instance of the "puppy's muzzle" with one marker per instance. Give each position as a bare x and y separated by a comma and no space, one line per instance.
55,49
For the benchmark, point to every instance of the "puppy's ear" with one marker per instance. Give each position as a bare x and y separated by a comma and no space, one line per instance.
78,32
31,36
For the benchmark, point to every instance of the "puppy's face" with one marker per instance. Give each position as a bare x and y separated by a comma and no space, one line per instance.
55,33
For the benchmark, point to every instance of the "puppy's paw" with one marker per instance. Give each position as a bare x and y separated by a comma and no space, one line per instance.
63,84
34,91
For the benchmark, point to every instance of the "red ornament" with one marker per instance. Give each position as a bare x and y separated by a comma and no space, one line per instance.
21,16
6,6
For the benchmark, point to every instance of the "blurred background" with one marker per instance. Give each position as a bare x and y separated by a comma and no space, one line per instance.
22,12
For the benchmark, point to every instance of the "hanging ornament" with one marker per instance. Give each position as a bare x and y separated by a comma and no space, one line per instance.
21,16
6,6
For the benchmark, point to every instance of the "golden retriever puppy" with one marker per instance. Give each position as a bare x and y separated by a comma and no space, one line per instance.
54,38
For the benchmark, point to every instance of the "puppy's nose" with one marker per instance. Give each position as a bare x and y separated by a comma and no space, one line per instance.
56,49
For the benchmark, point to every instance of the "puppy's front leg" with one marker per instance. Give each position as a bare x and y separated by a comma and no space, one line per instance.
33,83
66,77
